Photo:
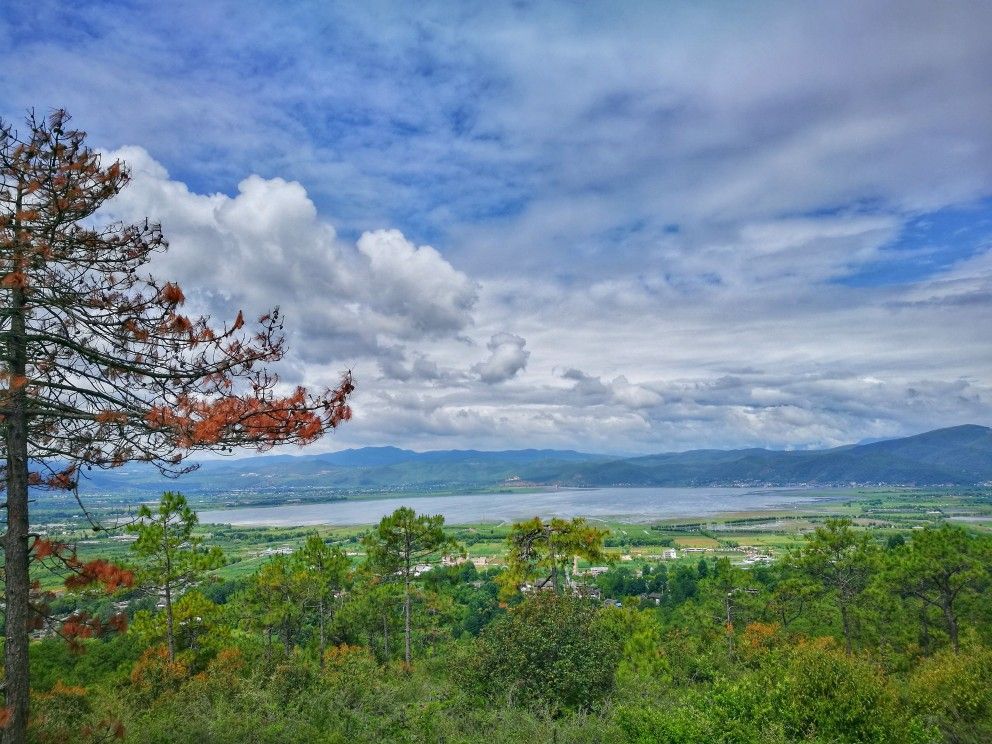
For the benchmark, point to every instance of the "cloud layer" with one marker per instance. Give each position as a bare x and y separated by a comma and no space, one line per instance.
633,230
267,246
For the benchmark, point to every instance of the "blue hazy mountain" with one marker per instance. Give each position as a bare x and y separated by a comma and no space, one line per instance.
961,455
367,468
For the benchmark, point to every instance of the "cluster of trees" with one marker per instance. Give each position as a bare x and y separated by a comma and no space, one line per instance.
848,638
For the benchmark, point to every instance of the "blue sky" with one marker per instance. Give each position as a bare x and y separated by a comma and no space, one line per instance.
629,227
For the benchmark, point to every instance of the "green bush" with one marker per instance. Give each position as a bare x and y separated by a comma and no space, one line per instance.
813,692
954,694
550,651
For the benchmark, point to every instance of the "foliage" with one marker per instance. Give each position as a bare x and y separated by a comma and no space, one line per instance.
840,561
107,661
372,617
813,692
173,559
273,603
66,715
540,551
198,631
402,541
554,651
938,567
953,691
712,661
324,570
101,365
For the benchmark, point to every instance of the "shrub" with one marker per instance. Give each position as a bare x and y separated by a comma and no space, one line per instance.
549,651
954,694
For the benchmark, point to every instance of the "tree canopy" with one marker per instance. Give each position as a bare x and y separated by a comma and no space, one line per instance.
399,543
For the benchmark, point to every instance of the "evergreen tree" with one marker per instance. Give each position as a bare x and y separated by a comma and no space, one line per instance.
172,558
100,364
840,562
402,541
323,570
939,566
541,551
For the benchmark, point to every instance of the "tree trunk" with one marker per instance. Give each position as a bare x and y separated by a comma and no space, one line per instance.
17,582
845,620
169,623
555,585
729,628
925,629
385,637
320,609
15,542
952,624
406,621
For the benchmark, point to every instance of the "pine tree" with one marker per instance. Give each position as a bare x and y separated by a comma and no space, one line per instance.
402,541
100,365
173,558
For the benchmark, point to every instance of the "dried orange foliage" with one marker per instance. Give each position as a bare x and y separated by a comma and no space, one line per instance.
100,574
760,636
100,571
104,368
153,673
83,625
197,422
337,656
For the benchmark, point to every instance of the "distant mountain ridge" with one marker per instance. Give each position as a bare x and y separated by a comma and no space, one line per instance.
960,455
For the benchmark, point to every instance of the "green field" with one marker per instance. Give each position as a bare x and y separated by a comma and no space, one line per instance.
886,511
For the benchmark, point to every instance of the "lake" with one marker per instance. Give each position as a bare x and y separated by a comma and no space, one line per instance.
619,504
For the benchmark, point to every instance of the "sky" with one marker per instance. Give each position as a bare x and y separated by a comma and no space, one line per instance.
613,227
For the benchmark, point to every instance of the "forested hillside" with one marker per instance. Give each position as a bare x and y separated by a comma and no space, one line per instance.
853,636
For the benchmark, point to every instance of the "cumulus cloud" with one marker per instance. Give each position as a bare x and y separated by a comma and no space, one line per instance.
633,396
394,364
507,357
417,283
267,246
593,391
741,345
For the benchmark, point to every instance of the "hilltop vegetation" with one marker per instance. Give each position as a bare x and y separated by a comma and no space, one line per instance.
854,636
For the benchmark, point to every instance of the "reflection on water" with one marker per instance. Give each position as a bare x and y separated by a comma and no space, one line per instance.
623,504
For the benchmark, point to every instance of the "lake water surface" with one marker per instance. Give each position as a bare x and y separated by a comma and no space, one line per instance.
620,504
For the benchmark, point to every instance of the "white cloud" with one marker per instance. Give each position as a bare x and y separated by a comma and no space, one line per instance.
740,345
633,396
507,357
620,392
267,246
417,283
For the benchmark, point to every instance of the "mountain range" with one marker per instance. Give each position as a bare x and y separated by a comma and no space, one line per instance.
960,455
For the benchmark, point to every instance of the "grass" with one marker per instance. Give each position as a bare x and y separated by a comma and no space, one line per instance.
696,542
